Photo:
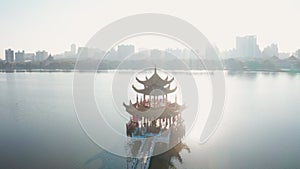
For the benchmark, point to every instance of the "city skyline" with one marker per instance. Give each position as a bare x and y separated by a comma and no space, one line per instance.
32,25
136,41
245,46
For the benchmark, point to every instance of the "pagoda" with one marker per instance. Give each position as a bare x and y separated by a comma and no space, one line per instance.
152,112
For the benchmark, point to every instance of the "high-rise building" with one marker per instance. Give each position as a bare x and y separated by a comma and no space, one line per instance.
247,46
125,51
111,55
270,51
29,56
20,56
41,55
73,49
174,52
9,55
83,51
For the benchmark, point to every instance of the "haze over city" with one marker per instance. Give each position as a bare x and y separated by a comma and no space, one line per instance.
45,25
194,84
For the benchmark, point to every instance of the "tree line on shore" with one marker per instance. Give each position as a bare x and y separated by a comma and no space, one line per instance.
235,64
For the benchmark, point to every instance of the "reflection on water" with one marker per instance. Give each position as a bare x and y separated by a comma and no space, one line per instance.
169,159
248,75
166,160
104,159
260,127
161,159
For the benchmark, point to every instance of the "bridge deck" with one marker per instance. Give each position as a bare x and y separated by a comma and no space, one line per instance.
146,150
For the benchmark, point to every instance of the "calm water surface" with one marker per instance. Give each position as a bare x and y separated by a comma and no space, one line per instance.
260,127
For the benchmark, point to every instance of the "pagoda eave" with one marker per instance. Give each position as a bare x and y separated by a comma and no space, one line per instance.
154,113
154,92
155,80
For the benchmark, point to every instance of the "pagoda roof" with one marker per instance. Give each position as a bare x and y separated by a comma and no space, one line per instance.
155,79
155,90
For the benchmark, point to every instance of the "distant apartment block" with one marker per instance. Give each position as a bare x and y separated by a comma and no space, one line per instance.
71,53
83,51
9,55
89,52
246,46
270,51
41,55
125,51
20,56
73,49
30,56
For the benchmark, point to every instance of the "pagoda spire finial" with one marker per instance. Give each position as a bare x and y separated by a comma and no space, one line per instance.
155,69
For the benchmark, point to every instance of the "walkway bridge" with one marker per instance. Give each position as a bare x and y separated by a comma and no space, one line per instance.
147,147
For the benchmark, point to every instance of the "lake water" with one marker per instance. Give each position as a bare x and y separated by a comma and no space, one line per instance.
260,127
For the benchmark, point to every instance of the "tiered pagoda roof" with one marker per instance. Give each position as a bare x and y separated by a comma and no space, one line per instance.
152,109
155,90
155,79
155,85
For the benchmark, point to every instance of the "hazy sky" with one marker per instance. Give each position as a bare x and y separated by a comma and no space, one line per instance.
54,24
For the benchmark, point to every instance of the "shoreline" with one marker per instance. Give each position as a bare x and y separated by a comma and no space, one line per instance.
133,70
